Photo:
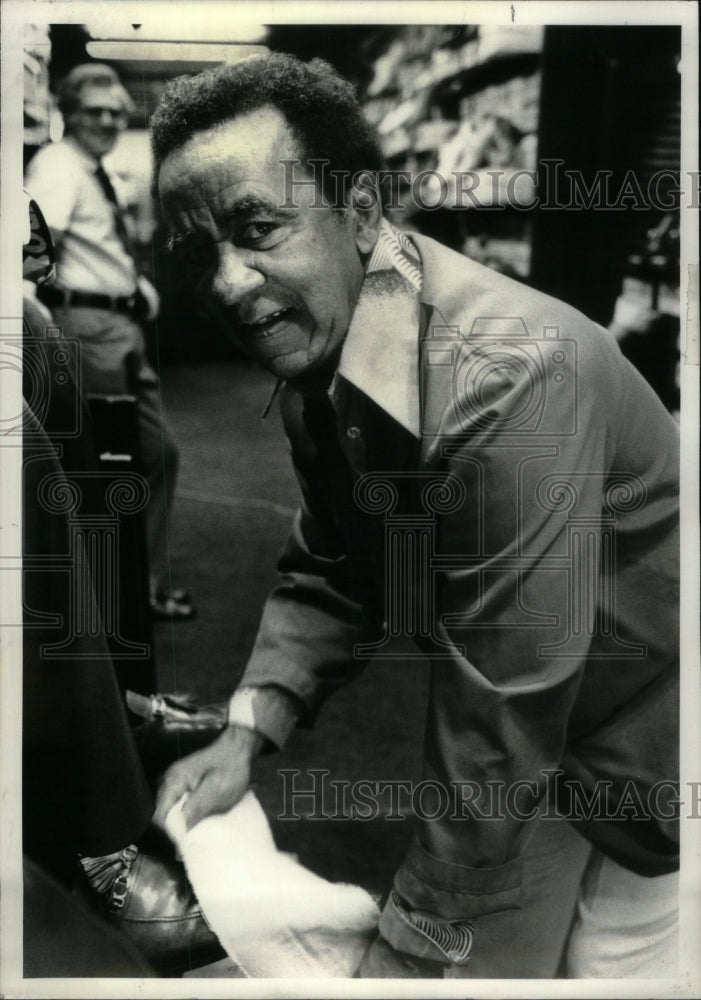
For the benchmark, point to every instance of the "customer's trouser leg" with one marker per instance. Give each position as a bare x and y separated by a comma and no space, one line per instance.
84,785
159,457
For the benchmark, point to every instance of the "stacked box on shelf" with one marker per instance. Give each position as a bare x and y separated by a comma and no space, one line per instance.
463,101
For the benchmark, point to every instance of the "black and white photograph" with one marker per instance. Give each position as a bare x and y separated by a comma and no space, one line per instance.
349,534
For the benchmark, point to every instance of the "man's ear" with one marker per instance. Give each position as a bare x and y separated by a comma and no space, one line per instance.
366,210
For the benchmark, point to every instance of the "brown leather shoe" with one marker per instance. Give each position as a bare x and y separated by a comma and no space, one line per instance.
174,726
153,903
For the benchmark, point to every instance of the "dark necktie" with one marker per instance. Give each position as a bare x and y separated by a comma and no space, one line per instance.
362,535
111,195
320,420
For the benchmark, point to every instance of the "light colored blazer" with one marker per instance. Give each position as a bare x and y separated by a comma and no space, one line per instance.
542,477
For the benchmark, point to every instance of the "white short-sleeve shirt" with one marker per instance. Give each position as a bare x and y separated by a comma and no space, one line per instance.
90,255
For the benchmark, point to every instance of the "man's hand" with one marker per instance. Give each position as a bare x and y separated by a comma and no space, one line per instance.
216,777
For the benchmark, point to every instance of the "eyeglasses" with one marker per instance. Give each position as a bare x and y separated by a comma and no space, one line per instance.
96,113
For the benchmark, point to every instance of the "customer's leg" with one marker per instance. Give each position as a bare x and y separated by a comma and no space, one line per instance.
84,787
159,460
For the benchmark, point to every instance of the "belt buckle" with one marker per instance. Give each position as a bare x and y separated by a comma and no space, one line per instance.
130,303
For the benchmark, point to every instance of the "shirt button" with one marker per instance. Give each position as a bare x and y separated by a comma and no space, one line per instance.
353,433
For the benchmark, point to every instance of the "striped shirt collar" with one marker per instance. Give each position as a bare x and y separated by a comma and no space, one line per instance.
380,353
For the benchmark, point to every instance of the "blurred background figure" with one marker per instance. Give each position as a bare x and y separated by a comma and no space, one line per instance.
646,315
100,296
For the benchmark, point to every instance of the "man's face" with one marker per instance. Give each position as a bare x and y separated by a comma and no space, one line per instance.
286,279
99,119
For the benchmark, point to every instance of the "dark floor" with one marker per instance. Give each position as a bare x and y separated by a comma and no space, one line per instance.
236,496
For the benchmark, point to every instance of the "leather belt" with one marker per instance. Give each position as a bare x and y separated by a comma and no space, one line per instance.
68,297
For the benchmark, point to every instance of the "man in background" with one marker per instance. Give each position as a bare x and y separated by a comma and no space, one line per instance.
100,297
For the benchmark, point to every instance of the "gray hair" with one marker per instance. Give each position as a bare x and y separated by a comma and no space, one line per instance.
89,75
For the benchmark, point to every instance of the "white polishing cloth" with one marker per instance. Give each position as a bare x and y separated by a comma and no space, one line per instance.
274,917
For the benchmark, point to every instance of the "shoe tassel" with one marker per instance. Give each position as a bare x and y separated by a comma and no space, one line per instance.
108,875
